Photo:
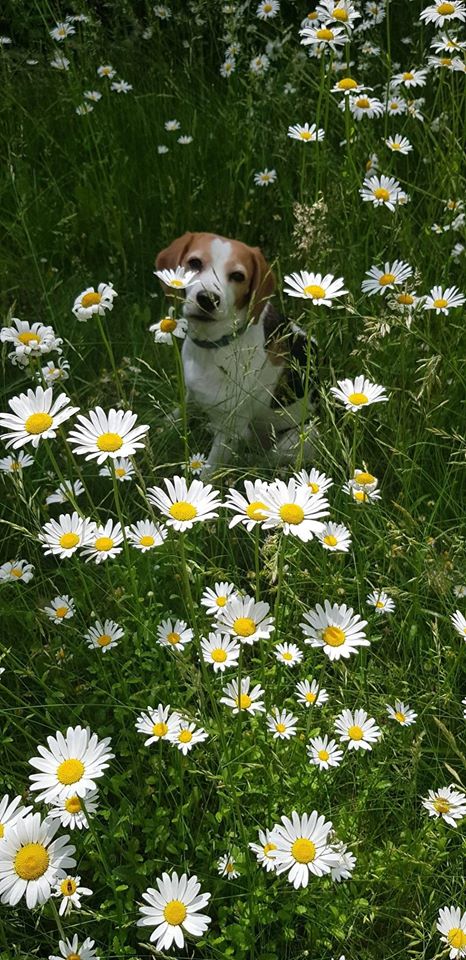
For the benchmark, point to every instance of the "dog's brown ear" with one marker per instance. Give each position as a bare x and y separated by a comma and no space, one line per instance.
171,257
262,283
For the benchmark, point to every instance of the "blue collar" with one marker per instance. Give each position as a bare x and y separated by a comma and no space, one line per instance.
222,342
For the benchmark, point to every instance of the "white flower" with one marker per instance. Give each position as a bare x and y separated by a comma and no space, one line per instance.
357,729
55,371
321,290
144,535
215,600
343,11
184,139
61,608
447,803
324,753
459,623
288,653
92,301
303,847
326,37
267,9
259,64
265,177
451,922
10,813
169,327
346,864
11,464
178,279
161,11
399,144
157,723
336,629
335,537
70,891
93,95
184,506
228,67
31,340
442,300
226,867
247,619
281,724
186,735
249,510
62,30
196,463
364,106
358,393
104,636
395,106
173,908
65,491
241,697
102,435
359,493
381,602
220,650
121,86
410,78
72,948
124,469
83,109
363,480
35,416
317,482
174,633
348,86
381,191
64,536
307,133
379,281
106,70
402,714
60,63
104,543
294,508
162,148
32,861
265,850
442,13
171,125
460,590
15,570
311,694
70,765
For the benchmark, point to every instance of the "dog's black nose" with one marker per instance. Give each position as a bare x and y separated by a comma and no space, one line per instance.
207,301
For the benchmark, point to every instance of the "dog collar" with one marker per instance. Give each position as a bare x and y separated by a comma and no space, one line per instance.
222,342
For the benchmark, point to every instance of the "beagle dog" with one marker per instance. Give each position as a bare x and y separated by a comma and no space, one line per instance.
242,361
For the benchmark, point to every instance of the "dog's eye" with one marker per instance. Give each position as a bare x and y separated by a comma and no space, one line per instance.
195,264
237,276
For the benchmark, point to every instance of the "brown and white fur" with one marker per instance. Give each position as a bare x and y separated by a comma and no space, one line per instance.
234,380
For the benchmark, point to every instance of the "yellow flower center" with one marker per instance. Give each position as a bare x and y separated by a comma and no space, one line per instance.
360,496
102,544
340,14
182,510
456,936
61,612
14,465
69,540
333,636
28,337
195,464
355,733
312,15
230,868
287,655
120,471
90,299
160,729
405,298
311,697
441,805
323,754
176,283
244,701
68,887
38,423
303,850
445,9
255,510
362,103
380,193
147,541
70,771
380,604
104,639
440,303
364,478
394,105
73,805
401,717
175,912
185,736
314,291
330,540
173,638
16,572
305,135
109,442
395,146
219,655
347,83
291,513
267,7
31,861
324,34
269,847
408,76
358,398
244,626
2,830
74,956
221,601
314,487
168,325
280,727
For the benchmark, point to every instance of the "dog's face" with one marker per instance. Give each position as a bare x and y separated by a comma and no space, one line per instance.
232,280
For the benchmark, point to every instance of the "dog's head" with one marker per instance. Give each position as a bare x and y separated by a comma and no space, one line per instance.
233,281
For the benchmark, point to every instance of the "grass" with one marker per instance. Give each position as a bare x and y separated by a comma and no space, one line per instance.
89,198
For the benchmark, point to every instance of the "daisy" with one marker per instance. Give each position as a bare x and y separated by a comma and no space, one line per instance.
459,623
220,650
317,482
451,922
104,543
446,63
35,416
227,67
310,693
335,629
104,636
281,724
358,393
32,861
70,891
162,149
196,463
348,86
250,509
357,729
267,9
145,535
61,31
10,813
313,286
295,509
84,108
442,300
184,506
161,11
62,608
178,279
102,435
346,864
175,634
303,847
66,491
70,765
445,42
11,464
173,908
441,13
448,803
60,63
124,470
215,600
186,735
364,480
92,301
335,537
306,132
410,78
16,570
64,536
259,65
288,653
329,39
379,281
55,371
265,850
72,948
364,106
324,753
171,125
395,105
246,619
106,70
381,191
460,590
360,494
121,86
403,715
381,602
157,723
31,340
265,177
93,95
342,11
70,811
226,867
238,696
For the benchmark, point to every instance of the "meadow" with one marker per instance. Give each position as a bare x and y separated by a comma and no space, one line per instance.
322,719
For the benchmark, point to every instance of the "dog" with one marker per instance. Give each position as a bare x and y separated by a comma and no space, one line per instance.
244,364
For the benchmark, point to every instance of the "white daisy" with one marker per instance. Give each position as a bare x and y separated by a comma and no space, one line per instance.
104,543
441,13
144,535
346,864
303,847
446,42
335,537
106,70
336,629
326,37
186,735
61,608
321,290
70,765
184,506
169,327
16,570
324,752
172,125
451,922
358,393
381,191
348,86
70,891
226,867
72,948
121,86
64,536
196,463
459,623
381,602
288,653
364,106
361,494
14,464
357,729
395,106
402,714
442,300
62,30
215,600
311,694
60,63
239,696
409,78
174,633
65,491
32,861
460,590
295,509
267,9
92,301
84,108
104,636
70,811
317,482
10,813
308,133
157,723
379,281
55,370
399,144
30,340
447,803
93,95
265,177
342,11
250,509
220,650
364,480
35,416
227,67
265,850
178,279
184,139
259,65
173,909
246,619
124,469
102,435
161,11
281,724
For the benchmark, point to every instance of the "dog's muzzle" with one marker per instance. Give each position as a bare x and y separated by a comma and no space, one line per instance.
207,300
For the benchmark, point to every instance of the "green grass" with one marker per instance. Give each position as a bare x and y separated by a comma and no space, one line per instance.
86,199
